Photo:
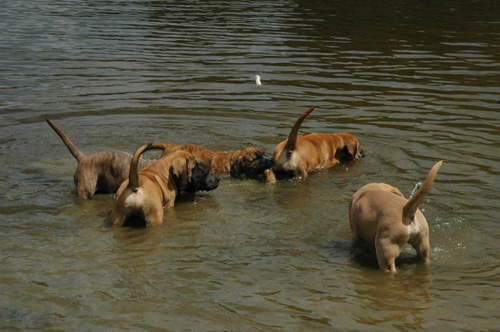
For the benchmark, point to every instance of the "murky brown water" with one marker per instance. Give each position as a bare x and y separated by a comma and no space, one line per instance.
414,82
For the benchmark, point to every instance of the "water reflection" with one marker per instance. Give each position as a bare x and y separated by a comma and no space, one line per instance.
405,298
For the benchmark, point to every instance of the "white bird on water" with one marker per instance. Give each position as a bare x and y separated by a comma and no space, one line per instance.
257,80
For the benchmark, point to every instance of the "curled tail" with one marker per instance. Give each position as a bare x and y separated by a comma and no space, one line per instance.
160,146
292,138
411,206
133,177
71,147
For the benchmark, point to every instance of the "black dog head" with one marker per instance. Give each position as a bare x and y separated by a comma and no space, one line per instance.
250,163
202,179
191,174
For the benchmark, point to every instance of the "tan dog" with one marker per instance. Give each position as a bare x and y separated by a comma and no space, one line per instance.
299,155
249,162
381,217
145,193
100,172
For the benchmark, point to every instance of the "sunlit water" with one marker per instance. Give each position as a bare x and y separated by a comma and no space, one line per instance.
415,83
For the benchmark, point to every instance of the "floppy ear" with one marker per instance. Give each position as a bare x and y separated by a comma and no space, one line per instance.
182,171
236,167
346,153
351,150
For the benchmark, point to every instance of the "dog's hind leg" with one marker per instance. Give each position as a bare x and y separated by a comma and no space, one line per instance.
86,186
386,255
154,214
423,248
116,219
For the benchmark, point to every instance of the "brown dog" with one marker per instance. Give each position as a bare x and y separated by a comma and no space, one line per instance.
299,155
249,162
145,193
381,217
100,172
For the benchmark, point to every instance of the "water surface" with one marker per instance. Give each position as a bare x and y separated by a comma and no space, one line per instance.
414,82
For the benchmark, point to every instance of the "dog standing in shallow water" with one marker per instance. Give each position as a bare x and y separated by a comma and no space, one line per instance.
245,163
299,155
145,193
381,217
101,172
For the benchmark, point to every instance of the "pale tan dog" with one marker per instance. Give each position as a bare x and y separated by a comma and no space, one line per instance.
381,217
145,193
299,155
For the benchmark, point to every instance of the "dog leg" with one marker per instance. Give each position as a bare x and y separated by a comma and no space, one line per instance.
117,218
155,216
84,193
386,255
85,186
270,176
303,174
423,249
356,241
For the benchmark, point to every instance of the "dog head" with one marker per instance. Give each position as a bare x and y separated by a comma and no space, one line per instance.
350,150
191,174
202,179
251,162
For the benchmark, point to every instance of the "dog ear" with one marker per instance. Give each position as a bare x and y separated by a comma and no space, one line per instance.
346,153
181,170
351,150
236,168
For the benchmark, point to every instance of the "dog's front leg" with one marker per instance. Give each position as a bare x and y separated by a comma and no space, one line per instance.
270,176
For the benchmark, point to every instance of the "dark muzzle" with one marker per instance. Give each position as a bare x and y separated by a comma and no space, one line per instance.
211,182
267,162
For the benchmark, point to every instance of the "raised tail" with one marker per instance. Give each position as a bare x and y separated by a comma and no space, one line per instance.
411,206
71,147
292,138
133,177
160,146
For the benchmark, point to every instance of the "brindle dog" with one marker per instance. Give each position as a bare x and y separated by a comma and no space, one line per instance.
100,172
245,163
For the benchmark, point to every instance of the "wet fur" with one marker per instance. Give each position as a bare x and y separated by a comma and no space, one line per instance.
299,155
100,172
380,217
245,163
144,194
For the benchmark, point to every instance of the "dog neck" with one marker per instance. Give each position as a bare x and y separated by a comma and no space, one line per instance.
228,158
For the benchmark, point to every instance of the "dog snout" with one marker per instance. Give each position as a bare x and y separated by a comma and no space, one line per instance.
267,162
212,181
361,153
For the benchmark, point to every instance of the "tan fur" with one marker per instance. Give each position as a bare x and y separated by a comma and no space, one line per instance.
145,193
381,217
100,172
299,155
248,162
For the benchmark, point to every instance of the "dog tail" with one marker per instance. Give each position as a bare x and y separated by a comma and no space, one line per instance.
160,146
411,206
71,147
133,177
292,138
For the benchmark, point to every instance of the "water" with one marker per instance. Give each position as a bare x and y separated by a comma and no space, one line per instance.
414,82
